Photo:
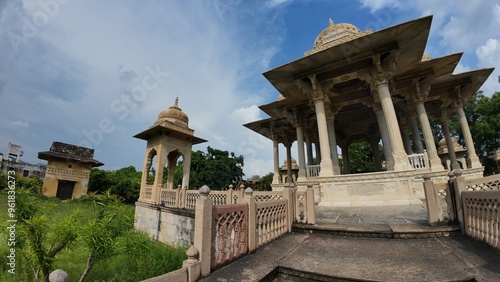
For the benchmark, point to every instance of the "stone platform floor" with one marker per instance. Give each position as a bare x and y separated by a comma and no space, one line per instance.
410,214
309,255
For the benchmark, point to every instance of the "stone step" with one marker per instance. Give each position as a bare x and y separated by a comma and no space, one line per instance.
395,231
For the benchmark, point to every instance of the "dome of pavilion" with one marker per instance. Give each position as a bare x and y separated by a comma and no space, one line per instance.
336,34
443,149
173,114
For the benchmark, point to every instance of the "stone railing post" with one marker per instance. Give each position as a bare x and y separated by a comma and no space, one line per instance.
289,195
427,162
178,196
311,213
252,216
182,197
229,194
192,264
458,187
203,229
434,214
241,194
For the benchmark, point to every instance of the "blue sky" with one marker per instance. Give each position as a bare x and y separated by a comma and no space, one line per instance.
95,73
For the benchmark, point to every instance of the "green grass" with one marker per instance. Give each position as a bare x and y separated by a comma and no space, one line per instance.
138,256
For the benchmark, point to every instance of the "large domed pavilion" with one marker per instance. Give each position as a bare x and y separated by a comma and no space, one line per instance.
378,87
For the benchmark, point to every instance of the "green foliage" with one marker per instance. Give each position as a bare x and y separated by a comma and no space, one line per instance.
217,169
125,183
483,116
99,234
43,223
38,240
361,158
264,183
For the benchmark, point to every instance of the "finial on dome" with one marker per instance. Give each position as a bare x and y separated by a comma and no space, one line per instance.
176,101
330,22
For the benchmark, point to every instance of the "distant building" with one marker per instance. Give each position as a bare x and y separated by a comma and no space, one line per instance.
11,161
14,152
68,170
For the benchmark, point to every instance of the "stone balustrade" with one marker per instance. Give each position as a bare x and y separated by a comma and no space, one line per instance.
229,233
313,171
482,215
474,204
419,161
186,199
488,183
230,224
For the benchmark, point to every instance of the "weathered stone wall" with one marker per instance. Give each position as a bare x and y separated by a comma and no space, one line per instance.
168,225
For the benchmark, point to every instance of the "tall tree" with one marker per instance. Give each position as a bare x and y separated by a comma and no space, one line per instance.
215,168
361,158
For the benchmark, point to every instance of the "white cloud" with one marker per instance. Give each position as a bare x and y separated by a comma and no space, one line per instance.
488,55
461,68
246,115
375,5
13,124
276,3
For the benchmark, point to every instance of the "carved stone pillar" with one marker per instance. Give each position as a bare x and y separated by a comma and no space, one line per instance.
430,145
318,152
333,144
289,162
382,125
300,147
406,140
326,165
186,167
399,155
276,175
415,132
377,160
471,151
449,143
309,149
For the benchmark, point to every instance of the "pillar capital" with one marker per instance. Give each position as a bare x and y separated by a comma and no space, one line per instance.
419,91
317,92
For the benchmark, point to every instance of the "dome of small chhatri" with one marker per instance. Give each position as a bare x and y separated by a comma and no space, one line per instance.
336,34
426,57
174,114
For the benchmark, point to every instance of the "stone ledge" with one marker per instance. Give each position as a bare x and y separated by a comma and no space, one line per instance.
394,231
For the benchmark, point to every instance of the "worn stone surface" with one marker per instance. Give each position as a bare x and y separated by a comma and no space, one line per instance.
378,259
256,266
426,254
369,259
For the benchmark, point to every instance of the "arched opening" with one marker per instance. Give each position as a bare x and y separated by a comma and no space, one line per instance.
150,167
173,172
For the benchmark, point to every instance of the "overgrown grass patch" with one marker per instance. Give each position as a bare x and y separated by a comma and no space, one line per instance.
137,256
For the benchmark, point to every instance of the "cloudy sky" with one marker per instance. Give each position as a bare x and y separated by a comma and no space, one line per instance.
95,73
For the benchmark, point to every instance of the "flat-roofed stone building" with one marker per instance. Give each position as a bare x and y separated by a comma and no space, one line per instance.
375,87
68,170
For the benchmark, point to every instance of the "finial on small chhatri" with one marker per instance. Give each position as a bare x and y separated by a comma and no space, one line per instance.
330,22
